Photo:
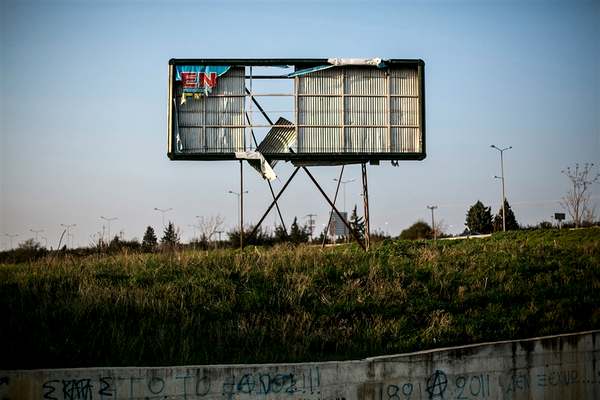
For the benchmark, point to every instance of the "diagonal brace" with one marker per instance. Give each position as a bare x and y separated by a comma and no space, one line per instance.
354,233
272,204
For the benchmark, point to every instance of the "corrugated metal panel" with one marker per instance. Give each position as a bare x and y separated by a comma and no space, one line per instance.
364,81
406,140
279,139
321,82
371,104
405,111
404,81
200,120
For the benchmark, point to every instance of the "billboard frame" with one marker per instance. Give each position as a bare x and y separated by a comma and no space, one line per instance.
315,157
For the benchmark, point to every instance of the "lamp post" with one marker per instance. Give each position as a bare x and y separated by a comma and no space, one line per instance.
68,230
502,177
36,231
109,220
343,182
240,196
163,211
10,238
433,221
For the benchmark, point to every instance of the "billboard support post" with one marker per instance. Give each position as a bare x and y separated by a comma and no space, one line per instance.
366,206
354,233
241,204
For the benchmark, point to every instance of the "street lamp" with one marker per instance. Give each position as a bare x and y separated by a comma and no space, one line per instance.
502,177
36,231
68,230
163,211
11,237
344,188
433,221
108,220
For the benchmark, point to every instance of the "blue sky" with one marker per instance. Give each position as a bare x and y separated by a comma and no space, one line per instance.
83,107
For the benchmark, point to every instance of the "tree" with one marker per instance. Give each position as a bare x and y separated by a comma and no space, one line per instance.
149,242
578,199
418,230
297,234
479,218
511,220
208,226
357,223
170,237
280,234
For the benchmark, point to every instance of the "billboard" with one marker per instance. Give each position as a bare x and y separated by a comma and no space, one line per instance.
308,111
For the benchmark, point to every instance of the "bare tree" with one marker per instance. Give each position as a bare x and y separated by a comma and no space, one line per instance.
578,199
208,226
440,228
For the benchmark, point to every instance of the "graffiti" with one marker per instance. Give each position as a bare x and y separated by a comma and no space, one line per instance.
306,382
437,384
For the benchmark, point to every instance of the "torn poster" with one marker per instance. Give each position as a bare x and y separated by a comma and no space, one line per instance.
199,79
258,162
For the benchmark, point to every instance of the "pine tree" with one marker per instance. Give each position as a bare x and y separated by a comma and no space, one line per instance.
171,236
297,234
149,242
511,220
479,218
357,223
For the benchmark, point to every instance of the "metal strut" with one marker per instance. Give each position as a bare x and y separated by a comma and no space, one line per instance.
268,182
366,206
339,182
251,235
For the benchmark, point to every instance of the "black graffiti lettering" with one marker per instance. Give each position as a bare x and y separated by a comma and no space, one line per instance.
277,383
202,386
229,386
407,390
437,384
246,384
461,382
4,380
49,389
264,384
105,387
156,385
473,392
291,384
185,378
77,389
392,392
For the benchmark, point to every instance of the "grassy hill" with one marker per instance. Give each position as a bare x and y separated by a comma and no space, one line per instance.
296,304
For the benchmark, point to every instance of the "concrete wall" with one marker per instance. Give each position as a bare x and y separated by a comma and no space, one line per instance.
557,367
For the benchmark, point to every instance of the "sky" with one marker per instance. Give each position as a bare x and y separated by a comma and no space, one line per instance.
83,94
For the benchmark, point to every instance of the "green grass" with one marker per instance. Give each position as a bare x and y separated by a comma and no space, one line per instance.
287,304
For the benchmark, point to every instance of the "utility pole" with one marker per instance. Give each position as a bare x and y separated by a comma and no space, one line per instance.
163,211
433,222
36,231
10,238
502,177
109,220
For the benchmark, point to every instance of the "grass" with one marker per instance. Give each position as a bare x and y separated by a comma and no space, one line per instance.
290,304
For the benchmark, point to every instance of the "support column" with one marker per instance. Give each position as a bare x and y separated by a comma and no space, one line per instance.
366,206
